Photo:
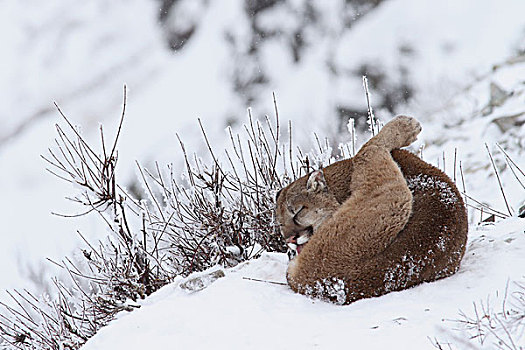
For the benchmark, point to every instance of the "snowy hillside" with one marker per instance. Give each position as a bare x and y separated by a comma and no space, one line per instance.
237,313
490,112
458,67
81,55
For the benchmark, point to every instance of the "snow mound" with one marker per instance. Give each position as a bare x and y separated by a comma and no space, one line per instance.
239,311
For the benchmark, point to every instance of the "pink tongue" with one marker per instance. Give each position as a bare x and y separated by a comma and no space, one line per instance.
299,248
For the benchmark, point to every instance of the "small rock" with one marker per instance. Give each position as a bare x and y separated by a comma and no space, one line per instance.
201,282
508,122
498,96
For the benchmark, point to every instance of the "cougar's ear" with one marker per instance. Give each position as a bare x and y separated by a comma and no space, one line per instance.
316,182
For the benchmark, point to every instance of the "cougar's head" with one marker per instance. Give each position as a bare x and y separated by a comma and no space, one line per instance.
302,207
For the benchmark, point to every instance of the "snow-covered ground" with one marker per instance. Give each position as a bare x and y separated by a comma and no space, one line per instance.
81,55
237,313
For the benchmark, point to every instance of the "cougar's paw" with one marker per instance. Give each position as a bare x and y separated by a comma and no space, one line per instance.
400,132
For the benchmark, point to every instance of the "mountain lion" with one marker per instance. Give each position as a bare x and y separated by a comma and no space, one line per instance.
382,221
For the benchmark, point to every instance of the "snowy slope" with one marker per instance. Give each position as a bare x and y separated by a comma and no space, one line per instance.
78,54
81,55
491,111
236,313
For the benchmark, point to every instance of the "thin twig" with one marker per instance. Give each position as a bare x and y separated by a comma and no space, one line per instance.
270,282
371,117
499,180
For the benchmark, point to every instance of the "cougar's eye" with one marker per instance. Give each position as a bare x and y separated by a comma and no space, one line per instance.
296,214
294,210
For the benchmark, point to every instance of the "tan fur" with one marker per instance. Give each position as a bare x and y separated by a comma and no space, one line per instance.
370,232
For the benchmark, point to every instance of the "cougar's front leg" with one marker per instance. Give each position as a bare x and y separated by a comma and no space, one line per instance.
381,202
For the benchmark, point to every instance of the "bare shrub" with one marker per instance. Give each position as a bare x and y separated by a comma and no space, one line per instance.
220,213
490,326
